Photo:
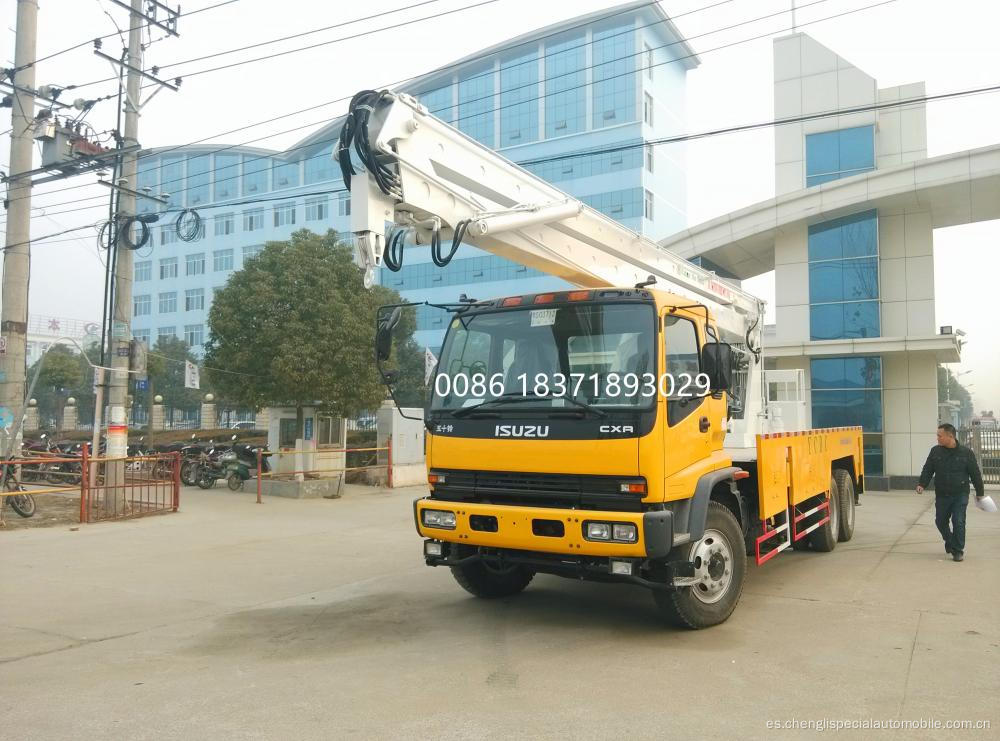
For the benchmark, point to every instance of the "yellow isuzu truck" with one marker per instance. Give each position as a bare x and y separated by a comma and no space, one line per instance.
618,430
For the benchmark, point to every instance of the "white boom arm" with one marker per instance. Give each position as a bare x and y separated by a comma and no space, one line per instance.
441,179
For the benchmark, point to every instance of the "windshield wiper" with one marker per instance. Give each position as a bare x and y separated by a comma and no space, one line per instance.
465,411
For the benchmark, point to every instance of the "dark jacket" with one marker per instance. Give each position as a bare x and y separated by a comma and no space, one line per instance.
952,469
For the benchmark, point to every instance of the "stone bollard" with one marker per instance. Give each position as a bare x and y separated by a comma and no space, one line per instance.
208,418
31,415
263,419
69,415
156,421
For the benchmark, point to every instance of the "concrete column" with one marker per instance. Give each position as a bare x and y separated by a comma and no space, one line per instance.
156,422
263,419
208,418
69,415
31,415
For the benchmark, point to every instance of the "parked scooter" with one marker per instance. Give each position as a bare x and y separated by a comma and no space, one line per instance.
222,463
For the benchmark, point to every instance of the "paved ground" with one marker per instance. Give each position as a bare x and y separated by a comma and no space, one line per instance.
317,619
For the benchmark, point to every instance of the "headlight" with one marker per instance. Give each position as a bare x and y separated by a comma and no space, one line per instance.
624,532
616,532
598,531
439,518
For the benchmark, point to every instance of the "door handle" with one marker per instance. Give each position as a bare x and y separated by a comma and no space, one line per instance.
704,424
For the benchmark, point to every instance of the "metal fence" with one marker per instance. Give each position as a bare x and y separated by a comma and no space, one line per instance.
985,441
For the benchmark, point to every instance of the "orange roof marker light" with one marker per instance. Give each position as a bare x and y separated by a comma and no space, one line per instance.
578,295
512,301
545,298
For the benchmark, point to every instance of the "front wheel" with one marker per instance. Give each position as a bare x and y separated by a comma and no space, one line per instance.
720,570
23,504
235,481
205,481
488,581
189,473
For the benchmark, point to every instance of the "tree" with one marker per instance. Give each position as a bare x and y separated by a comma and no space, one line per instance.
296,327
165,372
62,373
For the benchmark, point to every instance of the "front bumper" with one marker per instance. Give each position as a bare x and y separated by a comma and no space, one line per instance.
546,529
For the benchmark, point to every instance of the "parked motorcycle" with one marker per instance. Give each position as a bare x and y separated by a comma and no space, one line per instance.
20,501
215,465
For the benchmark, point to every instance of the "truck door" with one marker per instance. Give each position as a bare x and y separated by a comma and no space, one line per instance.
689,426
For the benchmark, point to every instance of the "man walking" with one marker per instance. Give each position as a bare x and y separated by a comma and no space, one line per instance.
952,466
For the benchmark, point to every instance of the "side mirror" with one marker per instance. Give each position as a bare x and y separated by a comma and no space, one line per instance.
383,335
717,364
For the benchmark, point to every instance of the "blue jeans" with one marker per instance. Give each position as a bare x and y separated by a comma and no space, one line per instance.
951,509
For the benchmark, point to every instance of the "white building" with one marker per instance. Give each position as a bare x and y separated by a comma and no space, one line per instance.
849,235
46,331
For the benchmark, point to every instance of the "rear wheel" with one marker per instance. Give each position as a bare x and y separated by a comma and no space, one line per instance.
845,491
205,481
720,564
189,473
824,539
235,481
489,582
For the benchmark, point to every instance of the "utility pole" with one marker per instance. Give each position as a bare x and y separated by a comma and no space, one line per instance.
17,249
121,317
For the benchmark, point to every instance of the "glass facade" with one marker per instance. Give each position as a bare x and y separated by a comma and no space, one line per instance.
463,270
476,107
848,392
440,102
629,157
227,174
843,278
832,155
198,178
519,100
618,204
613,52
320,167
565,86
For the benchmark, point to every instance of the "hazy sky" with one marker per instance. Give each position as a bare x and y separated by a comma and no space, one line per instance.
950,45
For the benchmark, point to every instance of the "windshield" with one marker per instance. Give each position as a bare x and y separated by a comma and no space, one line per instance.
601,355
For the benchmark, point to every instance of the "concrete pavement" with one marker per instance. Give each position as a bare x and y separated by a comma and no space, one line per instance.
318,619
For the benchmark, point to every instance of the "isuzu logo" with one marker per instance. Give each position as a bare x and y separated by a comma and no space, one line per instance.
618,429
522,431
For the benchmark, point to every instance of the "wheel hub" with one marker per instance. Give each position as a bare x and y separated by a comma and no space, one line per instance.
713,567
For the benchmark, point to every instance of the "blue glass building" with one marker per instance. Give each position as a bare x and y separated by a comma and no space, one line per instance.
614,79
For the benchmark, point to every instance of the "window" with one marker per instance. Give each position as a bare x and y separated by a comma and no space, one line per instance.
618,204
832,155
317,209
848,392
344,204
251,251
475,106
168,268
197,180
168,302
843,278
629,157
329,431
648,54
143,270
148,177
164,332
285,175
225,224
288,432
647,205
255,174
319,166
461,270
680,338
613,75
194,264
284,214
253,220
519,100
142,305
647,108
227,176
649,157
194,334
194,299
440,102
222,260
168,234
172,180
565,86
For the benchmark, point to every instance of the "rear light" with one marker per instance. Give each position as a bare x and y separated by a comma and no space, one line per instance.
578,295
512,301
545,298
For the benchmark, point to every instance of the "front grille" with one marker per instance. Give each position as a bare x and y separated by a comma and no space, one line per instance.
565,491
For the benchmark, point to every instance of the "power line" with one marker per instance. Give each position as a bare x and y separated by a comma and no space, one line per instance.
492,110
109,35
584,85
635,145
444,68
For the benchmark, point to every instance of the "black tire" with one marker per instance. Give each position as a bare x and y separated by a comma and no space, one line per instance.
824,539
845,490
696,606
189,473
489,583
205,482
234,481
23,504
54,473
